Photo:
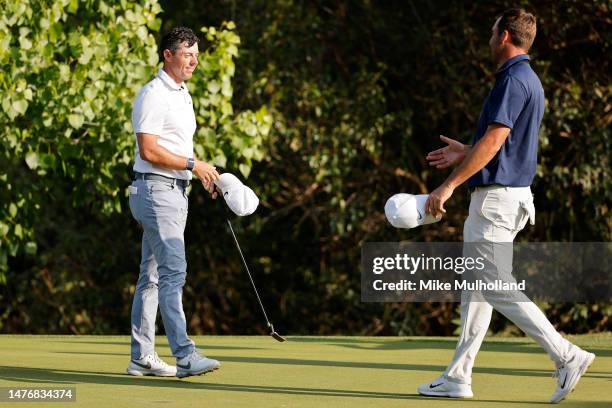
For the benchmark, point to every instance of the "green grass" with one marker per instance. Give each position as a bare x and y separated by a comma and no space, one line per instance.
303,372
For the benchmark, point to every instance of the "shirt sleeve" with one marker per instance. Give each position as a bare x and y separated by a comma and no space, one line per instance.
149,113
507,102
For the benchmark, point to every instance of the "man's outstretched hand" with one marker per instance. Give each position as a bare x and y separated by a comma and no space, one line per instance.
449,155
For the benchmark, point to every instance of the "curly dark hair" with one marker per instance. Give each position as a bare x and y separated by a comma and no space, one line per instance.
174,38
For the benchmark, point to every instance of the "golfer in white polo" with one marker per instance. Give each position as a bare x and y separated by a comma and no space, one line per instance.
499,167
164,123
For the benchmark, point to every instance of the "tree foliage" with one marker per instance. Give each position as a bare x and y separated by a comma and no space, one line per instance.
360,93
329,108
70,71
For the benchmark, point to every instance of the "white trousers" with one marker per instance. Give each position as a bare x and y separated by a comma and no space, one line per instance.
497,214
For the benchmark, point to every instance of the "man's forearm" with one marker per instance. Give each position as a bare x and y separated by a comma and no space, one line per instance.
158,155
478,155
161,156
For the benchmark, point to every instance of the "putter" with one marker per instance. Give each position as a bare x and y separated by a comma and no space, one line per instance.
273,332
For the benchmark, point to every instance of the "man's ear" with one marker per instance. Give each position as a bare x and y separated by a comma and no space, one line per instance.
505,37
167,54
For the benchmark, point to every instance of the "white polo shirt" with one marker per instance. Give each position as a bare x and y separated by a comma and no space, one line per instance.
165,109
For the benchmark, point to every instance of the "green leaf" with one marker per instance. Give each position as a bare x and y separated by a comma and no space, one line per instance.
154,24
13,247
232,50
248,153
31,248
213,87
86,55
245,170
12,210
47,161
32,160
20,106
220,160
250,129
76,120
73,6
25,43
199,150
226,89
18,231
90,93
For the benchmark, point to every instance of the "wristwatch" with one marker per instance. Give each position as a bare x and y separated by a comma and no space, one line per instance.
190,164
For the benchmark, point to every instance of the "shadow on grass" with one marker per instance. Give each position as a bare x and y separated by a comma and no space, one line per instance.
387,343
368,365
400,366
203,347
24,375
379,343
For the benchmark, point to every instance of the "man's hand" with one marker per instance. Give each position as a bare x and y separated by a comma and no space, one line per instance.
435,202
211,188
446,156
473,160
207,174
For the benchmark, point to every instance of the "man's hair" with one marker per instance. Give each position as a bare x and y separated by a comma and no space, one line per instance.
520,24
175,37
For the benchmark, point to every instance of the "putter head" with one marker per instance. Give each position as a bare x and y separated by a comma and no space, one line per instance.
276,336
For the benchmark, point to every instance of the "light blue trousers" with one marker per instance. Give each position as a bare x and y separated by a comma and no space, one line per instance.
161,209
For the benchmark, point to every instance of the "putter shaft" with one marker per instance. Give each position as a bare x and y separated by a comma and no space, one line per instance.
246,266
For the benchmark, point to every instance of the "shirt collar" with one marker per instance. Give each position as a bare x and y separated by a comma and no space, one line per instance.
163,75
512,61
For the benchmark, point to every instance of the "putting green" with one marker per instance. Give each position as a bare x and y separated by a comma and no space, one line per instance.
303,372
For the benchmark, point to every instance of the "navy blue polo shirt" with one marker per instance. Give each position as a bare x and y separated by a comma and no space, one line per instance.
516,101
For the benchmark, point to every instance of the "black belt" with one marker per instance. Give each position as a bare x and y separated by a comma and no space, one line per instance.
159,177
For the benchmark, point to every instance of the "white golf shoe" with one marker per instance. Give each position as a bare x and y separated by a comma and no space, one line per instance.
569,374
441,387
151,365
195,364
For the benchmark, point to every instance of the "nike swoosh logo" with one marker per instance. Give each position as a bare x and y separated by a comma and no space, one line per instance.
434,386
147,366
184,367
420,218
564,380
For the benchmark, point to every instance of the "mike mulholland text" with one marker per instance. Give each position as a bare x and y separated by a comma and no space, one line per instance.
437,285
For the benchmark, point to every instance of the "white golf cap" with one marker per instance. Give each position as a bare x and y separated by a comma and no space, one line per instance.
408,211
238,197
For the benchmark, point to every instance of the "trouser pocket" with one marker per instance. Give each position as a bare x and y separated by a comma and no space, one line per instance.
133,200
503,209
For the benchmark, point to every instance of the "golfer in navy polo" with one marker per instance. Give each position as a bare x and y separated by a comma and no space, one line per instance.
499,167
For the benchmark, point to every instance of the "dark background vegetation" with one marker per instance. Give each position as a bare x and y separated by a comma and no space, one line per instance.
359,91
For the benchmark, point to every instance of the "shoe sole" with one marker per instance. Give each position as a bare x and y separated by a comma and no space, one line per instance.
138,373
184,375
585,366
445,394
